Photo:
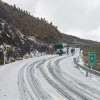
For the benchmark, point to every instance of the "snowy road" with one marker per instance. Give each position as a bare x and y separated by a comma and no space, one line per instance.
48,77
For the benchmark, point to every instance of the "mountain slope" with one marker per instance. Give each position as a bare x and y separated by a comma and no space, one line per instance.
41,29
30,25
18,44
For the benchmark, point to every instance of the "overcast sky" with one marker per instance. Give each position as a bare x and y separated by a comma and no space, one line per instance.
80,18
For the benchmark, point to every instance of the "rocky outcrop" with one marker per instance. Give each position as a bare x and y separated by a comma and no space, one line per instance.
17,43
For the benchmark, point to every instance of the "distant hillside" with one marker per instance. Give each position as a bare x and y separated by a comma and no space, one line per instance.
40,28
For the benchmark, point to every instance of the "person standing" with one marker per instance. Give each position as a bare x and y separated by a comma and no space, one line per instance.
60,53
67,51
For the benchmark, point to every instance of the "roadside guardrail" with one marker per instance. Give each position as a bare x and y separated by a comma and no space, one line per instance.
97,73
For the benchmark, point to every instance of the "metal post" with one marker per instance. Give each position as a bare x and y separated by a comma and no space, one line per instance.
86,73
90,73
4,57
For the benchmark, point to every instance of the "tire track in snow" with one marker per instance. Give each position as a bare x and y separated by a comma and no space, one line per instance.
60,90
24,92
68,85
59,71
78,92
35,85
29,87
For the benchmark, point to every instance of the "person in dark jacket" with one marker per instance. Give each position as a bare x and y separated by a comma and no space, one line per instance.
60,53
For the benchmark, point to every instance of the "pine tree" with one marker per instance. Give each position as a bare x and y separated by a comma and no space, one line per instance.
51,23
14,7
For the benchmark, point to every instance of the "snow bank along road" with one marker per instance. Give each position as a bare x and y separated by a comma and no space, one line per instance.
49,77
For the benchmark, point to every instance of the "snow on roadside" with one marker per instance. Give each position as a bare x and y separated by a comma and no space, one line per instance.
81,62
68,66
9,78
